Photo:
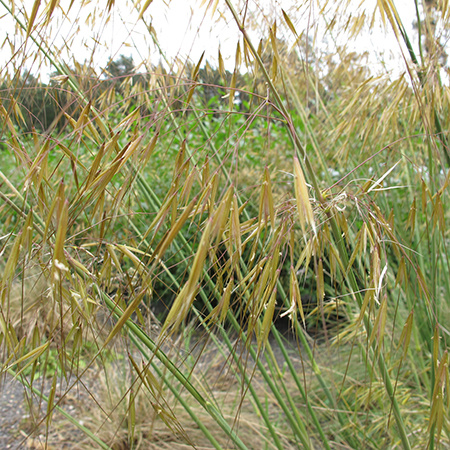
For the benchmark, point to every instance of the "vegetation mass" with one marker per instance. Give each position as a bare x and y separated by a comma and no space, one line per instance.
245,258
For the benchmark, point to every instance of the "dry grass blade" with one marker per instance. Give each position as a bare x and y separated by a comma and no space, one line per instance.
379,325
131,308
131,416
144,8
82,121
221,65
32,17
405,337
437,416
194,79
148,151
295,299
50,8
50,402
173,232
185,298
266,207
304,208
160,407
219,313
34,354
10,269
267,321
385,175
289,22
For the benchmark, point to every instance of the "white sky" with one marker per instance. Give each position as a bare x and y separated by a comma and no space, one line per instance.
185,28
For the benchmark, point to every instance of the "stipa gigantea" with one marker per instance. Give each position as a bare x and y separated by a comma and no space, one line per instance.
333,125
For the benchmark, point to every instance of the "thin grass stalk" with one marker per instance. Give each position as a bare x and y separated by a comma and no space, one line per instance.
301,389
82,428
246,381
419,30
138,336
301,432
276,374
154,200
172,388
335,230
140,178
300,331
214,413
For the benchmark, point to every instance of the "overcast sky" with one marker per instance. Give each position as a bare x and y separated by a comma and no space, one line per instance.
184,27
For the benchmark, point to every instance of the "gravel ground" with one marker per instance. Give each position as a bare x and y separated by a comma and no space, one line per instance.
18,429
12,413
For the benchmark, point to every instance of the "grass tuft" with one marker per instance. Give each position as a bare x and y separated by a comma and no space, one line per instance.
254,258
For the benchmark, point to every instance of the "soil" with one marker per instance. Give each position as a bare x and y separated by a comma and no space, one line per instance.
20,428
12,413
